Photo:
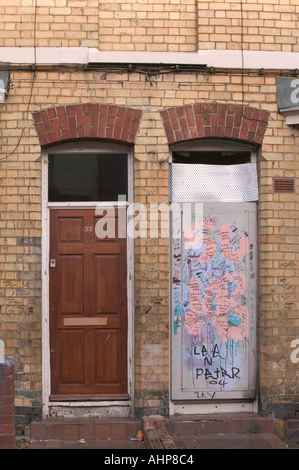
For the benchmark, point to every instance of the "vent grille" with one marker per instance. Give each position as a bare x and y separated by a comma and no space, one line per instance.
284,185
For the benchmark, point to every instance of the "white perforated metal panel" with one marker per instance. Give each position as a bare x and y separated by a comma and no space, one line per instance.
214,183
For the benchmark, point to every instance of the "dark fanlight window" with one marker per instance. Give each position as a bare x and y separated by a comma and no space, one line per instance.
211,157
87,177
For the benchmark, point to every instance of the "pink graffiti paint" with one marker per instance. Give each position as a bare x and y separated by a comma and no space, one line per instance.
225,244
208,241
192,318
217,304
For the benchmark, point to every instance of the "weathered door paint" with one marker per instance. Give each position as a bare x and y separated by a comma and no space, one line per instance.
88,307
214,297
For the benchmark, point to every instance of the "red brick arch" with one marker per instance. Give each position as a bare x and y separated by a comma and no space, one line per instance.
215,120
87,121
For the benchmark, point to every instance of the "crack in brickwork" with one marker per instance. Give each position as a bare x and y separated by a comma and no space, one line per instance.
226,121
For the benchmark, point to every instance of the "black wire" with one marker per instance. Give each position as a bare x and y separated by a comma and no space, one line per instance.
31,88
148,69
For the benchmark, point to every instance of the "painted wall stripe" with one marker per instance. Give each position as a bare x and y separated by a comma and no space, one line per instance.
216,58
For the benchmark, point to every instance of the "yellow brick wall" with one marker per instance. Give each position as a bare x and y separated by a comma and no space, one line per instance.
59,23
152,25
267,26
148,25
20,224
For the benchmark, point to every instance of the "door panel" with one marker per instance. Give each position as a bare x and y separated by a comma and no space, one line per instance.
214,296
72,352
107,283
71,230
71,284
107,345
88,308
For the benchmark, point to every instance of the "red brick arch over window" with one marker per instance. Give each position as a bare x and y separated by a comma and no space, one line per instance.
215,120
87,121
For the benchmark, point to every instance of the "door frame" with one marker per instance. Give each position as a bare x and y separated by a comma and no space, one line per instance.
222,406
118,407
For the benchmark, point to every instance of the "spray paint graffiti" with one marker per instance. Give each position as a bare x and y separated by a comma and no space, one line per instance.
212,304
215,298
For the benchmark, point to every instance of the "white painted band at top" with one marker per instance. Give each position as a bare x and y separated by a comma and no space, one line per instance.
211,58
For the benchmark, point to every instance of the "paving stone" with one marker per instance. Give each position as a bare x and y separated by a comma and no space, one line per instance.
86,431
102,431
192,443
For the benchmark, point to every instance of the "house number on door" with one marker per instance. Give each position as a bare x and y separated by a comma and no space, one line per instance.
88,229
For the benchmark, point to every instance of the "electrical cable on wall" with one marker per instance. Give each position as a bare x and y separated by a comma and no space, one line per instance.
31,87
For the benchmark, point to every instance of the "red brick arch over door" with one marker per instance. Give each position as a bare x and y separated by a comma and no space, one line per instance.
87,121
215,120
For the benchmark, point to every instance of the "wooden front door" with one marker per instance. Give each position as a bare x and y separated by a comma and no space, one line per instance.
88,307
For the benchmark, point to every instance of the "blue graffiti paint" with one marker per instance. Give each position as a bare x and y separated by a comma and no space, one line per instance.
177,321
234,320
